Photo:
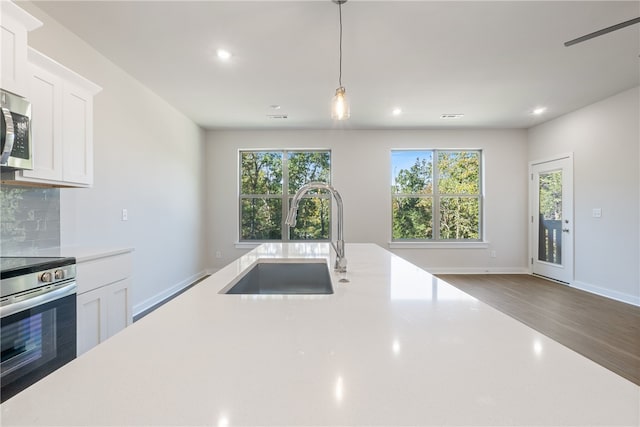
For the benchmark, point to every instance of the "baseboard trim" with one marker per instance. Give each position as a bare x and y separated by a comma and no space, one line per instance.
608,293
167,293
477,270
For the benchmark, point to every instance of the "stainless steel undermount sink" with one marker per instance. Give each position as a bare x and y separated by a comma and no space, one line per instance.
303,277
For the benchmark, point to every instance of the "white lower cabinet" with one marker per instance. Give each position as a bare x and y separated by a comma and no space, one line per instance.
104,299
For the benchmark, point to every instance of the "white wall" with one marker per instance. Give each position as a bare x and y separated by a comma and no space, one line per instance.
148,159
605,140
362,174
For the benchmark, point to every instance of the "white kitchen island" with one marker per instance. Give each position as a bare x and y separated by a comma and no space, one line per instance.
395,346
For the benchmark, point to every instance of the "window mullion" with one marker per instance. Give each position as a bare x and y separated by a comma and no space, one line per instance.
285,195
436,198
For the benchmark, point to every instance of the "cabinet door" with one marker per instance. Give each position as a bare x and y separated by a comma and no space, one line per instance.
92,319
118,306
102,313
77,134
46,102
15,23
14,56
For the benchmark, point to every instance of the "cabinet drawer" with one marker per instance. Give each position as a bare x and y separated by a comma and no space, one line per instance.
100,272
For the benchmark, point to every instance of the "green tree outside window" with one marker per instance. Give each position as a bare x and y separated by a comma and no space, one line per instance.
436,195
268,181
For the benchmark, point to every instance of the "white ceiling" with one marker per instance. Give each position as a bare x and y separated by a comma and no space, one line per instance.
494,62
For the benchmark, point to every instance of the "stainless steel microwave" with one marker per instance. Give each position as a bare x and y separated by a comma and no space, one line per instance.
16,149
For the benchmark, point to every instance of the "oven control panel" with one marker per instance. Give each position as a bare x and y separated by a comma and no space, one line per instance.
33,281
57,274
54,275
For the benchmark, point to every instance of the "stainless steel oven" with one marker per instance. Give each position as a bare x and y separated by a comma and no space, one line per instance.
38,319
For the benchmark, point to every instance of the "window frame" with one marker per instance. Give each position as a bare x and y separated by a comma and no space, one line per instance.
436,196
285,197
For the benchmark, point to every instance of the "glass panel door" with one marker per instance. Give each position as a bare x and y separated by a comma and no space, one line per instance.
552,219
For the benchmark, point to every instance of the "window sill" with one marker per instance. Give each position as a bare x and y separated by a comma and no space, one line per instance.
401,245
247,245
438,245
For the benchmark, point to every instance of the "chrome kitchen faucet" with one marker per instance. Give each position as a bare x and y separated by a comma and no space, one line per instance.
341,261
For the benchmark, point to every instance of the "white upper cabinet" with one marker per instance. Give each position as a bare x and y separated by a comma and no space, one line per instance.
77,132
46,127
61,107
15,23
61,125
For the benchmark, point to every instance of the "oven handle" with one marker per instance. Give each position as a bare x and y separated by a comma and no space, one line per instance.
53,295
10,137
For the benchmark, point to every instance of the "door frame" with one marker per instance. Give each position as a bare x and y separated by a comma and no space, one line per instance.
532,211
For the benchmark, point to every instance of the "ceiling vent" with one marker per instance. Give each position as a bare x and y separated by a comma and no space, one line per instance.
451,116
278,116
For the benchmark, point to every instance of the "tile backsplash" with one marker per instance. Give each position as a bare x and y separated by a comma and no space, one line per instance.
29,219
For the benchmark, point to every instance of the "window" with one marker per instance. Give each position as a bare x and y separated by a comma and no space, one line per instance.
268,181
436,195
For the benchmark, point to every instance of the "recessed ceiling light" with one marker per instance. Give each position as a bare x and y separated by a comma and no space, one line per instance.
450,116
224,55
539,110
396,111
274,106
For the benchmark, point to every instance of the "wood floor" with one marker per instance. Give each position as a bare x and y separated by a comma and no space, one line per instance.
601,329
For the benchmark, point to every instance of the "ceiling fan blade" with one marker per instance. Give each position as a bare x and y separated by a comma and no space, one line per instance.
602,31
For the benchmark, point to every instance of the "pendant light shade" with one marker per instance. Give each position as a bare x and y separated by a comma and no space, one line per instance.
340,104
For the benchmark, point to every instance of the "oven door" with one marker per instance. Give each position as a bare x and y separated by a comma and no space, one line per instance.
38,336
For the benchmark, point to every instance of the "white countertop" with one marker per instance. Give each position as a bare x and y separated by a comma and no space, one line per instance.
80,253
85,253
395,346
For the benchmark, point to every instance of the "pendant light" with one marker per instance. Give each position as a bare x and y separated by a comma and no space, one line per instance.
340,103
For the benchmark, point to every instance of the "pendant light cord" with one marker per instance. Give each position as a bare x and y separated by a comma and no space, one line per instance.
340,70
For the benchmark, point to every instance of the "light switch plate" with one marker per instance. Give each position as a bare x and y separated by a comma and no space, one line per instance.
597,212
